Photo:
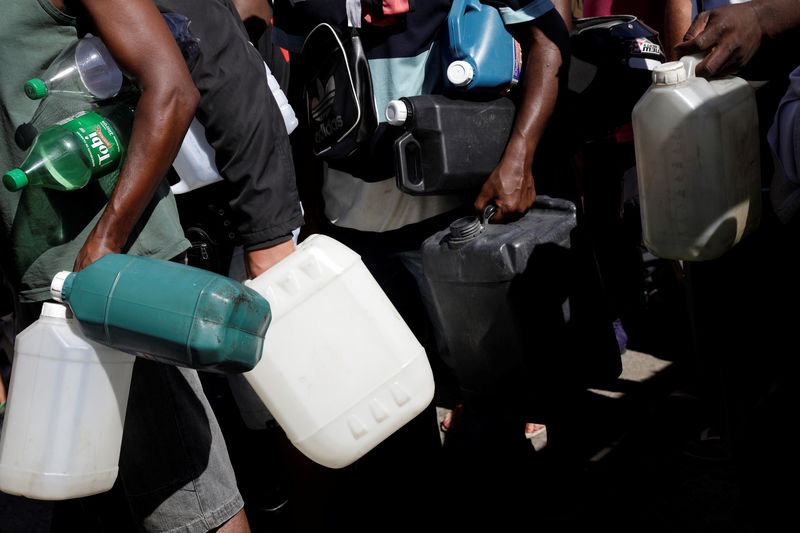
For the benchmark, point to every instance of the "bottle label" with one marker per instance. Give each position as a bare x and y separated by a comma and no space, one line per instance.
100,141
517,69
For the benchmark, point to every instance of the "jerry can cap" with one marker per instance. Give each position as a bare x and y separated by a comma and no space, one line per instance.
460,73
671,73
35,89
57,285
466,229
396,112
15,179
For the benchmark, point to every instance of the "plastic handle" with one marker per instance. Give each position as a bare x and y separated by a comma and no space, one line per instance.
404,182
489,210
541,202
557,204
691,61
454,21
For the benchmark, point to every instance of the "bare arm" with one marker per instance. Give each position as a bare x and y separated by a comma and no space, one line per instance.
511,186
732,34
677,19
253,8
136,35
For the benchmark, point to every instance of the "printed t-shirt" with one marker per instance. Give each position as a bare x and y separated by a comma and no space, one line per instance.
362,194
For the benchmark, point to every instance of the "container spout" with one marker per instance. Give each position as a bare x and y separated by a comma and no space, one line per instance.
57,285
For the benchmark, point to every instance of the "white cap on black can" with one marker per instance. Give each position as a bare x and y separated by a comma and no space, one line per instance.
396,112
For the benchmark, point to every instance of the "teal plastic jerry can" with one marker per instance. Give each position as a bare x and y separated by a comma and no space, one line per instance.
167,311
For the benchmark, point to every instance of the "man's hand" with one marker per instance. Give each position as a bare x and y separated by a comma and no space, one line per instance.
510,186
730,34
256,262
93,249
140,42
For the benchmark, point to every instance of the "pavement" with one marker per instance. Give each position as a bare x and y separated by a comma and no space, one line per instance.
644,468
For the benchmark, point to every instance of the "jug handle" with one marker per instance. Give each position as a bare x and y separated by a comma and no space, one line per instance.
559,204
454,20
489,210
691,61
542,201
405,182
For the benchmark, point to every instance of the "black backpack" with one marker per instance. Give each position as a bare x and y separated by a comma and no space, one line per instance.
339,102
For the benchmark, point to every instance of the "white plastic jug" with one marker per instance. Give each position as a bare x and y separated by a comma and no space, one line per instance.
195,164
287,113
340,370
698,162
65,412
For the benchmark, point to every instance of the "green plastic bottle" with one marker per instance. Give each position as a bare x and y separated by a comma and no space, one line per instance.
67,155
167,311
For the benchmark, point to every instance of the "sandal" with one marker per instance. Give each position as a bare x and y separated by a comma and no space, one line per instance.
449,417
532,430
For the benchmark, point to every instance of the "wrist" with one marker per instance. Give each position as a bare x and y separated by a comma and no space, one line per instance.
110,231
761,14
773,17
520,150
259,261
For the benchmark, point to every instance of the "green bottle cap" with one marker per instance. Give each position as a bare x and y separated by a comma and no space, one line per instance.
15,179
35,89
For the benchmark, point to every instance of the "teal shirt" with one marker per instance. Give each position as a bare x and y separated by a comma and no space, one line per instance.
42,230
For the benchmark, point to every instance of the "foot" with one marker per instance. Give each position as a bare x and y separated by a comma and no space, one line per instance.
532,429
448,418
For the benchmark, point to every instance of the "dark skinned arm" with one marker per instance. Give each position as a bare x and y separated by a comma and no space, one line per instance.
254,8
677,19
138,38
732,34
511,186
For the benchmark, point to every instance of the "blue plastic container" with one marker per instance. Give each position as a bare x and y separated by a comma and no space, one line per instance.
479,54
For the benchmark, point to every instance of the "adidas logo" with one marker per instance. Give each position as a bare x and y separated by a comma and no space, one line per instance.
322,112
322,100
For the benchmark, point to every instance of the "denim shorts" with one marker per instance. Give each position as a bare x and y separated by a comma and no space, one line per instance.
174,465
